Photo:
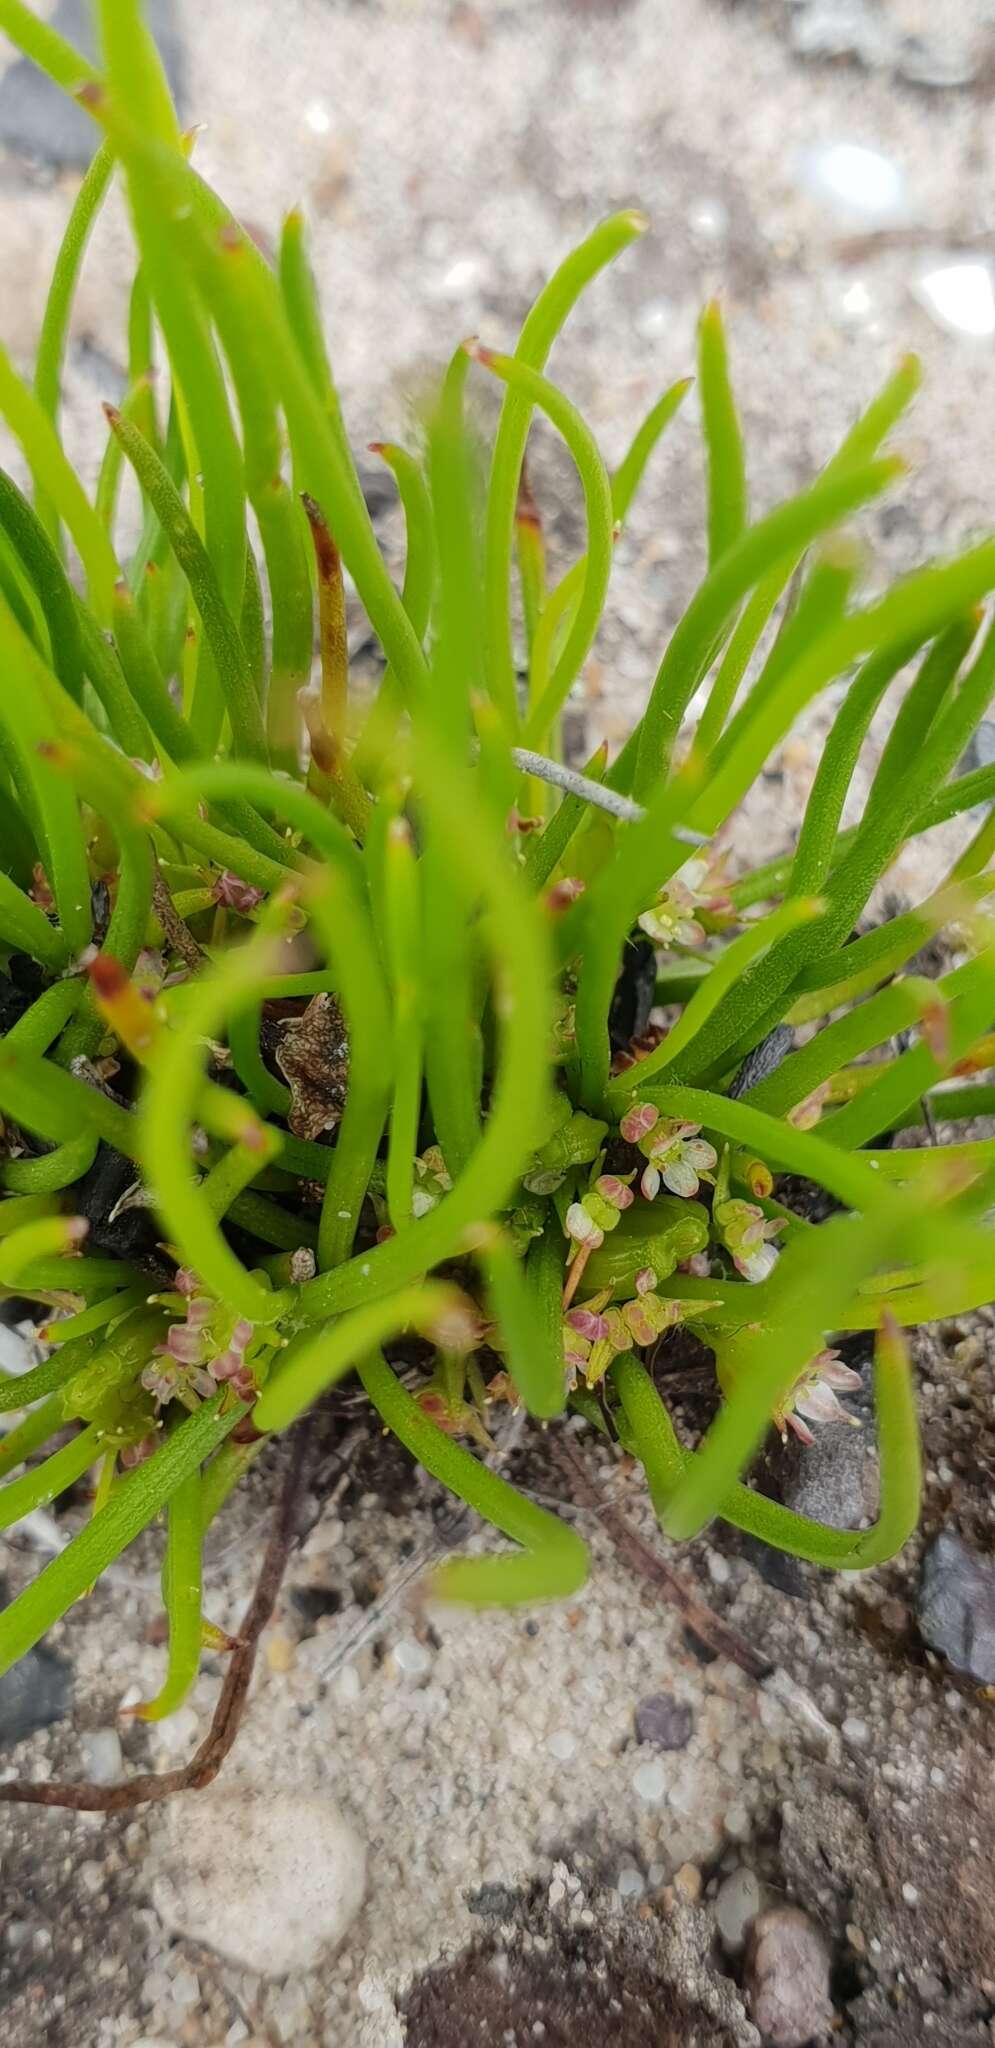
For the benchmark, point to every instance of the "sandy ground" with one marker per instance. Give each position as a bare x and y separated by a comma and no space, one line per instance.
447,155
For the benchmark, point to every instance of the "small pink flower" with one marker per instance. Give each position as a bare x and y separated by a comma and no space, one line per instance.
184,1344
645,1280
638,1121
587,1324
563,893
814,1395
235,894
614,1191
746,1234
582,1228
681,1157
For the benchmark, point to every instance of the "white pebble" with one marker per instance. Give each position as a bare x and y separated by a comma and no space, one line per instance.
562,1744
185,1989
270,1879
91,1878
412,1657
856,1731
737,1902
738,1825
348,1686
649,1782
103,1758
629,1883
910,1894
719,1568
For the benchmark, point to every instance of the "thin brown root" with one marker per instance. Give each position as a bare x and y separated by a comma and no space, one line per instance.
205,1764
643,1559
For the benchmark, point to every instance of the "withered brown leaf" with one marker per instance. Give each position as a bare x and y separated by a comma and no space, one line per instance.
313,1057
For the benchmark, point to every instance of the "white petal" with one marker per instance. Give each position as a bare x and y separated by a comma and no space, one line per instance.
698,1152
680,1178
818,1402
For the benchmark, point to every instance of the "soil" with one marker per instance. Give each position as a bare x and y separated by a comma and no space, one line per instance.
535,1872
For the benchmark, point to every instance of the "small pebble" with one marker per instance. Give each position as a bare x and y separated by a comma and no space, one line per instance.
412,1657
787,1978
184,1988
910,1894
348,1685
737,1902
663,1721
738,1825
649,1782
91,1878
688,1879
562,1744
856,1732
629,1884
103,1757
957,1606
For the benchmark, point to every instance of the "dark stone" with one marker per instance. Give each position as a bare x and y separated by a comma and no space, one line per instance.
41,121
33,1694
664,1722
956,1606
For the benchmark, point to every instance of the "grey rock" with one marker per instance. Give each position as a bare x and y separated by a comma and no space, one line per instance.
834,1479
33,1694
40,121
737,1902
956,1606
664,1722
787,1978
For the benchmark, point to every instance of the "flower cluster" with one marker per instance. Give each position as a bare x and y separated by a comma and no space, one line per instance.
814,1395
677,1157
432,1181
746,1233
587,1221
204,1351
697,891
593,1335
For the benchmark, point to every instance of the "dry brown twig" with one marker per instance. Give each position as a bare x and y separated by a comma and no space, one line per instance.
638,1554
